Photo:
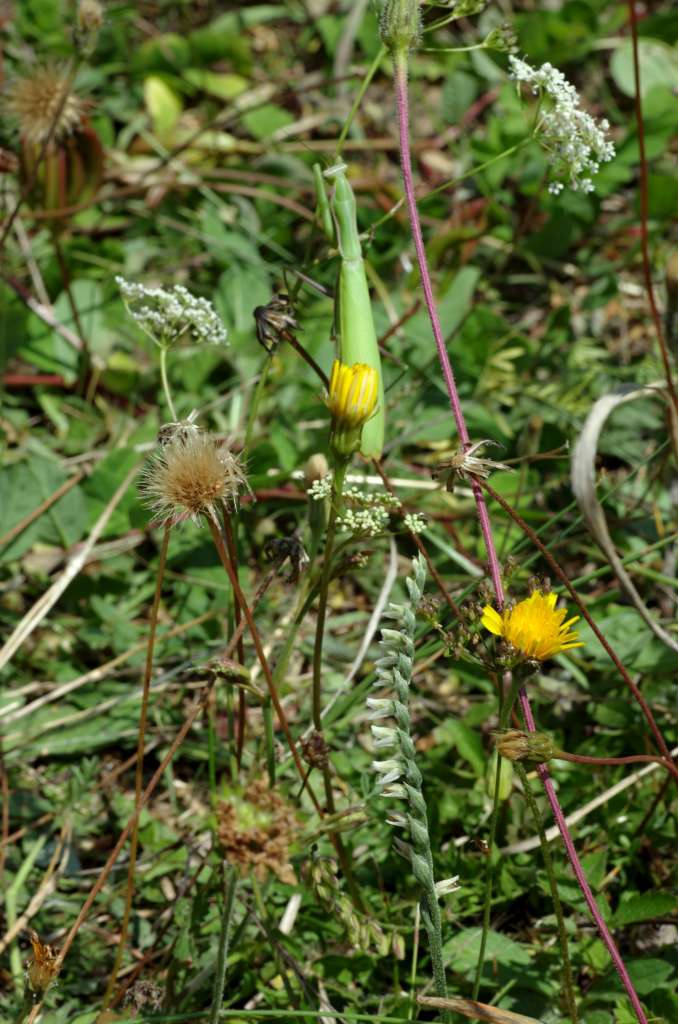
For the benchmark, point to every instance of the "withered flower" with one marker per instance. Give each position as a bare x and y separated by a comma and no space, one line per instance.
189,477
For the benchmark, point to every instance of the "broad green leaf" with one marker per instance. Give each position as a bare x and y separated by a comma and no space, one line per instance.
658,66
163,105
462,950
645,906
467,741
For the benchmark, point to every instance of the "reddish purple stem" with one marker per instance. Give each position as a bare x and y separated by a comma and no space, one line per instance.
403,128
400,61
605,934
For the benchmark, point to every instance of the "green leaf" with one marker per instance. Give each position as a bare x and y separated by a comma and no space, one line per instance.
163,105
658,66
24,486
224,86
266,120
649,975
467,741
462,950
644,907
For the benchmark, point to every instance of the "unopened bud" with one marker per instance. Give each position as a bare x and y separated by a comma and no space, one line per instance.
516,745
90,20
398,946
400,25
505,777
316,468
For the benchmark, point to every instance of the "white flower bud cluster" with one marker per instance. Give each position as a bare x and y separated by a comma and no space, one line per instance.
577,142
366,514
368,522
321,489
167,314
414,522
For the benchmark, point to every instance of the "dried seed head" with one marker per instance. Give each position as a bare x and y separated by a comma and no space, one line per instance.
44,99
189,477
42,966
257,830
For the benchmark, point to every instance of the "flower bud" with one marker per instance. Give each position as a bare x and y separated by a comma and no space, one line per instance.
352,400
505,777
316,468
516,745
400,25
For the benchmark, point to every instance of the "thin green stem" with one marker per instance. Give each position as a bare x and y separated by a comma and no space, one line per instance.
337,488
553,885
165,382
364,85
230,885
139,771
255,403
506,704
269,739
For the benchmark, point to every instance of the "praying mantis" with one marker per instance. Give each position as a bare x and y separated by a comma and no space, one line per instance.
354,320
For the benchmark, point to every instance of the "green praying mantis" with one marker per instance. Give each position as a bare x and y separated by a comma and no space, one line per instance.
354,320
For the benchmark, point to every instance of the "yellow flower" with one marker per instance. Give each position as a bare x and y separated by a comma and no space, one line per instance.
534,626
352,401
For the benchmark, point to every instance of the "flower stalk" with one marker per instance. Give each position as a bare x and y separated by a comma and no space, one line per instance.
399,54
399,775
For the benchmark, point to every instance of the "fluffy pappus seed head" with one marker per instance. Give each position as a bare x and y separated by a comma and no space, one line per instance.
190,477
43,99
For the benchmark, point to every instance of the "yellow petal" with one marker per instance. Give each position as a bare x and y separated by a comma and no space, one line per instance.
492,620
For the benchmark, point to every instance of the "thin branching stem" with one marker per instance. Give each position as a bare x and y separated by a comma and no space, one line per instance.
230,885
644,209
603,930
555,896
139,770
402,102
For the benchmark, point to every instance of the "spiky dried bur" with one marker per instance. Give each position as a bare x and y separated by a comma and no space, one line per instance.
190,477
44,105
257,831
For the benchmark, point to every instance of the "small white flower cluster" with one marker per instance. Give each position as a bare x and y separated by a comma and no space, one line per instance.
369,522
414,522
321,489
578,143
166,314
366,514
369,514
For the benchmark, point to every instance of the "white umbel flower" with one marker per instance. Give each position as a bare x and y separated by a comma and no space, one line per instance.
167,314
577,142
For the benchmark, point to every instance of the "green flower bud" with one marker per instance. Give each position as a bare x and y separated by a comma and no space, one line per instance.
400,25
505,777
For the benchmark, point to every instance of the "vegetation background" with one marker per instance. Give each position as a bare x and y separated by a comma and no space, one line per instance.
210,118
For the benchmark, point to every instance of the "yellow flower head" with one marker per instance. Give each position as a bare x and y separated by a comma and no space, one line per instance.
352,401
535,627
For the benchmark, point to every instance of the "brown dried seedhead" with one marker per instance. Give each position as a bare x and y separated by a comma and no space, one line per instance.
257,830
